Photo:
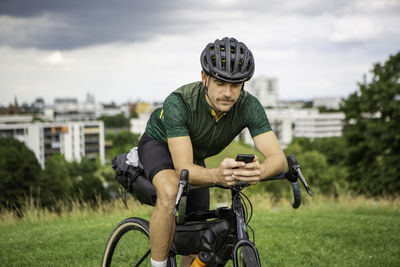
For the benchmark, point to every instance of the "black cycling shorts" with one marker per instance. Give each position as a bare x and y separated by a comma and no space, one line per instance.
155,157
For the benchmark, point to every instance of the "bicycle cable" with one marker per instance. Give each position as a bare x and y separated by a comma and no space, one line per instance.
247,220
243,199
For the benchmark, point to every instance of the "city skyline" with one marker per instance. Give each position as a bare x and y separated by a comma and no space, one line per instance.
143,50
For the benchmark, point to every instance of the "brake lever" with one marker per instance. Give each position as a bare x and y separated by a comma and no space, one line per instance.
303,180
295,173
182,189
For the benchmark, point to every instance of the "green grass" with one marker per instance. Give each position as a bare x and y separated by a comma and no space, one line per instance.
73,239
329,236
230,152
351,231
323,232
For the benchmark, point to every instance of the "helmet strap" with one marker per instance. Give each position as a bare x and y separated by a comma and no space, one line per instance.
209,98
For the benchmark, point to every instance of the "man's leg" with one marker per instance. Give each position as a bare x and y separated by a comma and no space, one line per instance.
162,221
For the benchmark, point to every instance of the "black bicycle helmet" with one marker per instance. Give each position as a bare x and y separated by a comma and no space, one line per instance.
228,60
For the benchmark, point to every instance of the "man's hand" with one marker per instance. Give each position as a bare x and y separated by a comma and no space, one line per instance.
249,173
231,171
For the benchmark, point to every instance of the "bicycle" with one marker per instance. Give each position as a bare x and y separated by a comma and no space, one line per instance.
217,236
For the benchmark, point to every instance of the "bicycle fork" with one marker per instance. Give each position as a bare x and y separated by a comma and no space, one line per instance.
241,232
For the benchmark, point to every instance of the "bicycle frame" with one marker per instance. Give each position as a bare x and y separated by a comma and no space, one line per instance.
240,238
241,229
241,234
228,232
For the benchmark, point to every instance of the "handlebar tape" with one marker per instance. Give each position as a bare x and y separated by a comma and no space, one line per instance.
297,195
291,175
292,161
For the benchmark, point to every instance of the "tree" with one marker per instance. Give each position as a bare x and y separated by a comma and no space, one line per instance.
20,173
89,187
116,121
372,131
133,115
122,143
57,182
334,149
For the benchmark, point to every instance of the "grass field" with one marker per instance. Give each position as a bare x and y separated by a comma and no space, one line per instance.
349,231
322,232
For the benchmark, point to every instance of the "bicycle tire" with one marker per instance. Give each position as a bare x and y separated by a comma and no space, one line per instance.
128,244
248,257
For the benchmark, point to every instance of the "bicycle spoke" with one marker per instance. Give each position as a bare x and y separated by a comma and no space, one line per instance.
143,258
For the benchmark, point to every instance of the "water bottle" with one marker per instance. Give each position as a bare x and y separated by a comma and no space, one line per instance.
201,260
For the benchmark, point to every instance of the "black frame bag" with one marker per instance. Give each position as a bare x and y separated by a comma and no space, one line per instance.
134,181
196,236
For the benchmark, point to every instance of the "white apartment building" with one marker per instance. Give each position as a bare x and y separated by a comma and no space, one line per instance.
328,102
265,89
290,123
71,139
317,125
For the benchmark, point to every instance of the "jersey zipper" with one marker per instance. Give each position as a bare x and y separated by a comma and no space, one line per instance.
213,132
212,138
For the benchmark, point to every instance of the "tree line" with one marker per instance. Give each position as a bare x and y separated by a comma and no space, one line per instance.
61,182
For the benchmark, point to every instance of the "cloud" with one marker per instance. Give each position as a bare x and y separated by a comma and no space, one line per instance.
67,25
355,29
57,58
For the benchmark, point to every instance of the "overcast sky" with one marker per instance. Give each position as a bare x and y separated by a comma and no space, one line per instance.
142,50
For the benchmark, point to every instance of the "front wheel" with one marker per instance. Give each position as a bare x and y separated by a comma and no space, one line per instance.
248,257
128,244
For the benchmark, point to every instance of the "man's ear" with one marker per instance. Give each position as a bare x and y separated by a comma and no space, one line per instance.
204,77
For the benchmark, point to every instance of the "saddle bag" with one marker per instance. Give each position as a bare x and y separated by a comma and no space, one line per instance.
133,180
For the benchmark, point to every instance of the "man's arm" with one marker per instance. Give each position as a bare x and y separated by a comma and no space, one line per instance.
275,161
182,155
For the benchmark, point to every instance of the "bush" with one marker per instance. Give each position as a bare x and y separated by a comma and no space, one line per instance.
321,161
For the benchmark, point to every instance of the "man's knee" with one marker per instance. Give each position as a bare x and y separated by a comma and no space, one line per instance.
166,184
166,197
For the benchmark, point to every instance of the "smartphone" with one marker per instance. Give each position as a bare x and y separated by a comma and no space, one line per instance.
246,158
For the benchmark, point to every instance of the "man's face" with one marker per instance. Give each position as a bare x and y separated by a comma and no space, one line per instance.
221,95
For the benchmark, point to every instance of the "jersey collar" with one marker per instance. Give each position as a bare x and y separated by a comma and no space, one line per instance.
209,108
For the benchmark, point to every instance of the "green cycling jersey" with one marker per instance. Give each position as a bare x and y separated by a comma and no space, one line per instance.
186,112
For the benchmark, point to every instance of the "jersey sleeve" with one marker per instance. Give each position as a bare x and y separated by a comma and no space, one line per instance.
254,117
176,116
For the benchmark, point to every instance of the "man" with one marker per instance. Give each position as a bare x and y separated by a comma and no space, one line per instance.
197,121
